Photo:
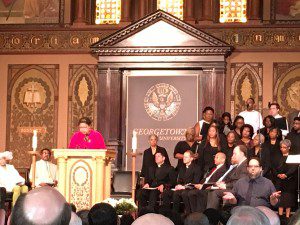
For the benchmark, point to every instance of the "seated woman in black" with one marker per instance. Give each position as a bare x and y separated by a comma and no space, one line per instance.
227,149
247,134
149,155
226,123
269,121
260,151
237,125
208,149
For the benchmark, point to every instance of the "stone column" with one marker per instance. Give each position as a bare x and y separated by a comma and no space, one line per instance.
80,12
125,11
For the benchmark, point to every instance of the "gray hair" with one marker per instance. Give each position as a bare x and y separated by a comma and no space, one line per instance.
272,216
75,220
196,218
153,135
247,215
286,142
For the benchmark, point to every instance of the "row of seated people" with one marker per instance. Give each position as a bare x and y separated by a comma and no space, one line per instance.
240,184
272,155
13,184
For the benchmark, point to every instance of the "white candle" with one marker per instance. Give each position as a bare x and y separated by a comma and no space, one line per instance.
34,140
134,141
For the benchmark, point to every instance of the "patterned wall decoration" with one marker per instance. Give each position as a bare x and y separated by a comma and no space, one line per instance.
246,82
286,85
83,91
80,185
31,104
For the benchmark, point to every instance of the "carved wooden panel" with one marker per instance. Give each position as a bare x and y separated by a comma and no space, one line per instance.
83,80
246,82
286,86
31,104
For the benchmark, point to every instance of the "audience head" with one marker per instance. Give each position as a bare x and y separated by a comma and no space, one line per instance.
196,218
272,216
208,113
250,104
258,139
274,109
45,154
269,121
75,220
220,158
238,122
239,154
188,157
295,219
247,215
213,134
231,137
190,134
152,219
126,219
153,139
83,215
34,208
247,131
254,168
285,146
159,158
226,118
84,125
296,124
102,214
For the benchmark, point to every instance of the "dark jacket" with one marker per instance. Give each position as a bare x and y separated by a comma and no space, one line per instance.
165,174
189,175
149,159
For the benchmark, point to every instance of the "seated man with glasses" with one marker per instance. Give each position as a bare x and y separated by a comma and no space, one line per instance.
253,190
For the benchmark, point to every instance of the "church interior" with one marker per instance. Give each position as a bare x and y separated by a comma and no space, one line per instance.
61,60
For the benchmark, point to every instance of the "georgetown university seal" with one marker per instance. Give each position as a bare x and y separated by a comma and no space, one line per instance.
162,102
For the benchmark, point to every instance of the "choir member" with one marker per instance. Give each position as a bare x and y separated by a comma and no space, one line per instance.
201,127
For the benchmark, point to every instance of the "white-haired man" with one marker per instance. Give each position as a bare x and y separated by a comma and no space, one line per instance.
10,179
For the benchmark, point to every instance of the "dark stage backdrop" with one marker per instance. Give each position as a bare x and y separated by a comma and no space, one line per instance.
163,104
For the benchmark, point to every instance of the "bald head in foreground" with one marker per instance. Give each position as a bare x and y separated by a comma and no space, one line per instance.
43,205
152,219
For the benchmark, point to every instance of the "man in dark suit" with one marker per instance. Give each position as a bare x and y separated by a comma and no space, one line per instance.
196,204
149,153
161,177
237,170
188,175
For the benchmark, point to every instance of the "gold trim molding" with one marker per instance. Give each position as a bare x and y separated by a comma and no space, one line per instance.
74,41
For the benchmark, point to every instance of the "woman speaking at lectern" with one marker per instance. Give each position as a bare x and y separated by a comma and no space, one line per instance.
86,137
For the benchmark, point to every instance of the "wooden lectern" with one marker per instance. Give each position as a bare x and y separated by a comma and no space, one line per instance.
84,175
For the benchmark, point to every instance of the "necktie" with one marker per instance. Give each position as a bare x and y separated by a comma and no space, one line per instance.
249,192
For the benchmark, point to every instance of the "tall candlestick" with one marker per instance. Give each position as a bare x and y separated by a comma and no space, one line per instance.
134,141
34,140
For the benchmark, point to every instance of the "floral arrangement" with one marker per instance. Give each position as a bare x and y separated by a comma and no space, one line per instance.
123,205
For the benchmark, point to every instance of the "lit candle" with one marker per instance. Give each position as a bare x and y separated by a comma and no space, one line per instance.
134,141
34,140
